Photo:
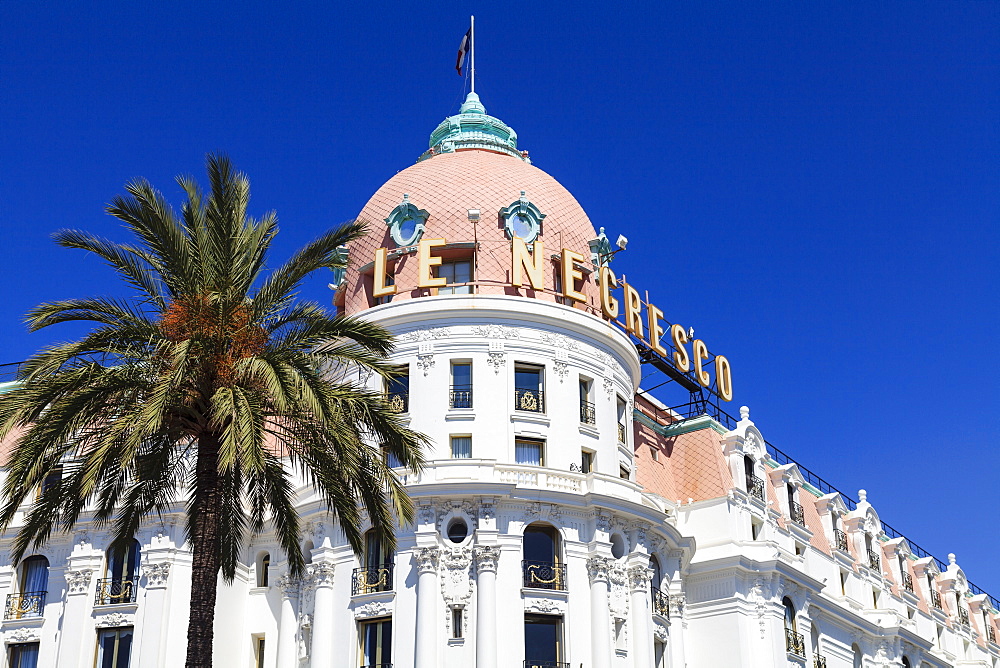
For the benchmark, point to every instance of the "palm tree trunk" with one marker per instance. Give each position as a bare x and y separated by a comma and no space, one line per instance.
205,557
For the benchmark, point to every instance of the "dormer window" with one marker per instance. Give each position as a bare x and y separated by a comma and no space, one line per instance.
795,510
406,223
522,219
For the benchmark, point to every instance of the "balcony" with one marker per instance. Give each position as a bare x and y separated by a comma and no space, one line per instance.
963,615
398,402
991,634
936,600
819,661
874,562
661,603
376,665
111,591
544,575
460,396
755,486
529,400
795,643
532,663
24,605
907,582
840,538
587,413
371,580
798,513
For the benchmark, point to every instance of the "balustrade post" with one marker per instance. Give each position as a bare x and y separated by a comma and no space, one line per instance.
154,615
600,611
427,590
486,605
288,623
321,574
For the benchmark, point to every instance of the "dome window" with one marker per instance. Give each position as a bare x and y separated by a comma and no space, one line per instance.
406,223
523,220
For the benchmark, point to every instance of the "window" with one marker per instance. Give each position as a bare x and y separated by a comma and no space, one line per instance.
875,596
375,572
458,530
756,529
858,656
541,564
621,407
654,453
843,583
121,576
23,655
586,461
906,663
263,566
529,388
456,622
397,390
461,385
390,279
34,584
258,651
114,647
542,641
461,447
376,643
659,653
529,451
794,642
458,276
588,414
623,473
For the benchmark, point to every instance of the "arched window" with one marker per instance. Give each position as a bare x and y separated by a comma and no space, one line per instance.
120,577
263,566
794,642
654,565
375,573
906,663
34,584
307,552
789,614
541,563
858,657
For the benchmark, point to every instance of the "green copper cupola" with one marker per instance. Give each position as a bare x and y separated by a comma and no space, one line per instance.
473,128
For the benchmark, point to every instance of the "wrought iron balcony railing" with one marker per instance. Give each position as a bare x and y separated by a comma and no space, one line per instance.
991,633
587,413
534,663
798,513
371,580
661,603
116,590
963,615
25,604
399,402
376,665
936,600
819,661
874,561
841,539
544,575
529,400
795,643
460,396
907,582
621,433
755,486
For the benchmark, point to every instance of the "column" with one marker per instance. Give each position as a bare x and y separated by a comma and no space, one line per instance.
288,622
427,590
677,629
486,605
154,615
600,611
74,617
322,635
640,578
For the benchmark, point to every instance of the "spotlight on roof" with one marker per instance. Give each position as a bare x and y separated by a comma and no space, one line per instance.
474,215
622,242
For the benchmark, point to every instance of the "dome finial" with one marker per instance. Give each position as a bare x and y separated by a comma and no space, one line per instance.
472,105
473,128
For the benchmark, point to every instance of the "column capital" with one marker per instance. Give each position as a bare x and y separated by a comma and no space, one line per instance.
640,577
320,574
427,559
487,557
156,574
289,585
598,568
78,581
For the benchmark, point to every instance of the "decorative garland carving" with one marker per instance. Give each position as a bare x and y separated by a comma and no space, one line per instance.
156,574
373,609
114,620
494,331
78,582
545,606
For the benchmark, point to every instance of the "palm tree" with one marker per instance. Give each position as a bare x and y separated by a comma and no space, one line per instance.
198,389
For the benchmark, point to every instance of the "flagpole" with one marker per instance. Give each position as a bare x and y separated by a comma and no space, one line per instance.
473,49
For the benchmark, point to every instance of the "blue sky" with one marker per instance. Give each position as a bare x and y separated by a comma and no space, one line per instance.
813,186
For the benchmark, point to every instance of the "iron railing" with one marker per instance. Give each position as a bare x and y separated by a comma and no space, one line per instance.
621,433
907,582
874,561
963,615
460,396
755,486
115,590
376,665
529,400
587,413
544,575
399,402
991,633
534,663
936,600
798,513
661,603
841,539
795,643
9,371
371,580
819,661
25,604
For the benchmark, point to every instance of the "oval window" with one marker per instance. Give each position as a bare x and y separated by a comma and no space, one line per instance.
457,531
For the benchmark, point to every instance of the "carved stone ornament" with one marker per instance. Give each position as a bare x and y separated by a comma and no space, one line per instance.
427,559
78,582
660,631
493,331
23,634
114,620
425,361
677,602
374,609
427,334
617,596
304,636
560,341
640,577
603,522
487,557
456,586
598,568
545,606
426,515
289,586
487,511
156,574
321,574
496,360
609,386
561,368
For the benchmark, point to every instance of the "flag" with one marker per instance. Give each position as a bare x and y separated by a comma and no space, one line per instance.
463,51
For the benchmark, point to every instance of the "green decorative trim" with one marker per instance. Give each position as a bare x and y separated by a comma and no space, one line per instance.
402,213
600,250
528,213
473,128
340,272
678,428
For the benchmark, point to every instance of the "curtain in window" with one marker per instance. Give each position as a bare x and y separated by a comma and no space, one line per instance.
36,574
377,639
114,648
123,565
461,447
24,655
528,453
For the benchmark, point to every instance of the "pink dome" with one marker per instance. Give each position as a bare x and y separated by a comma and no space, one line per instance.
447,186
